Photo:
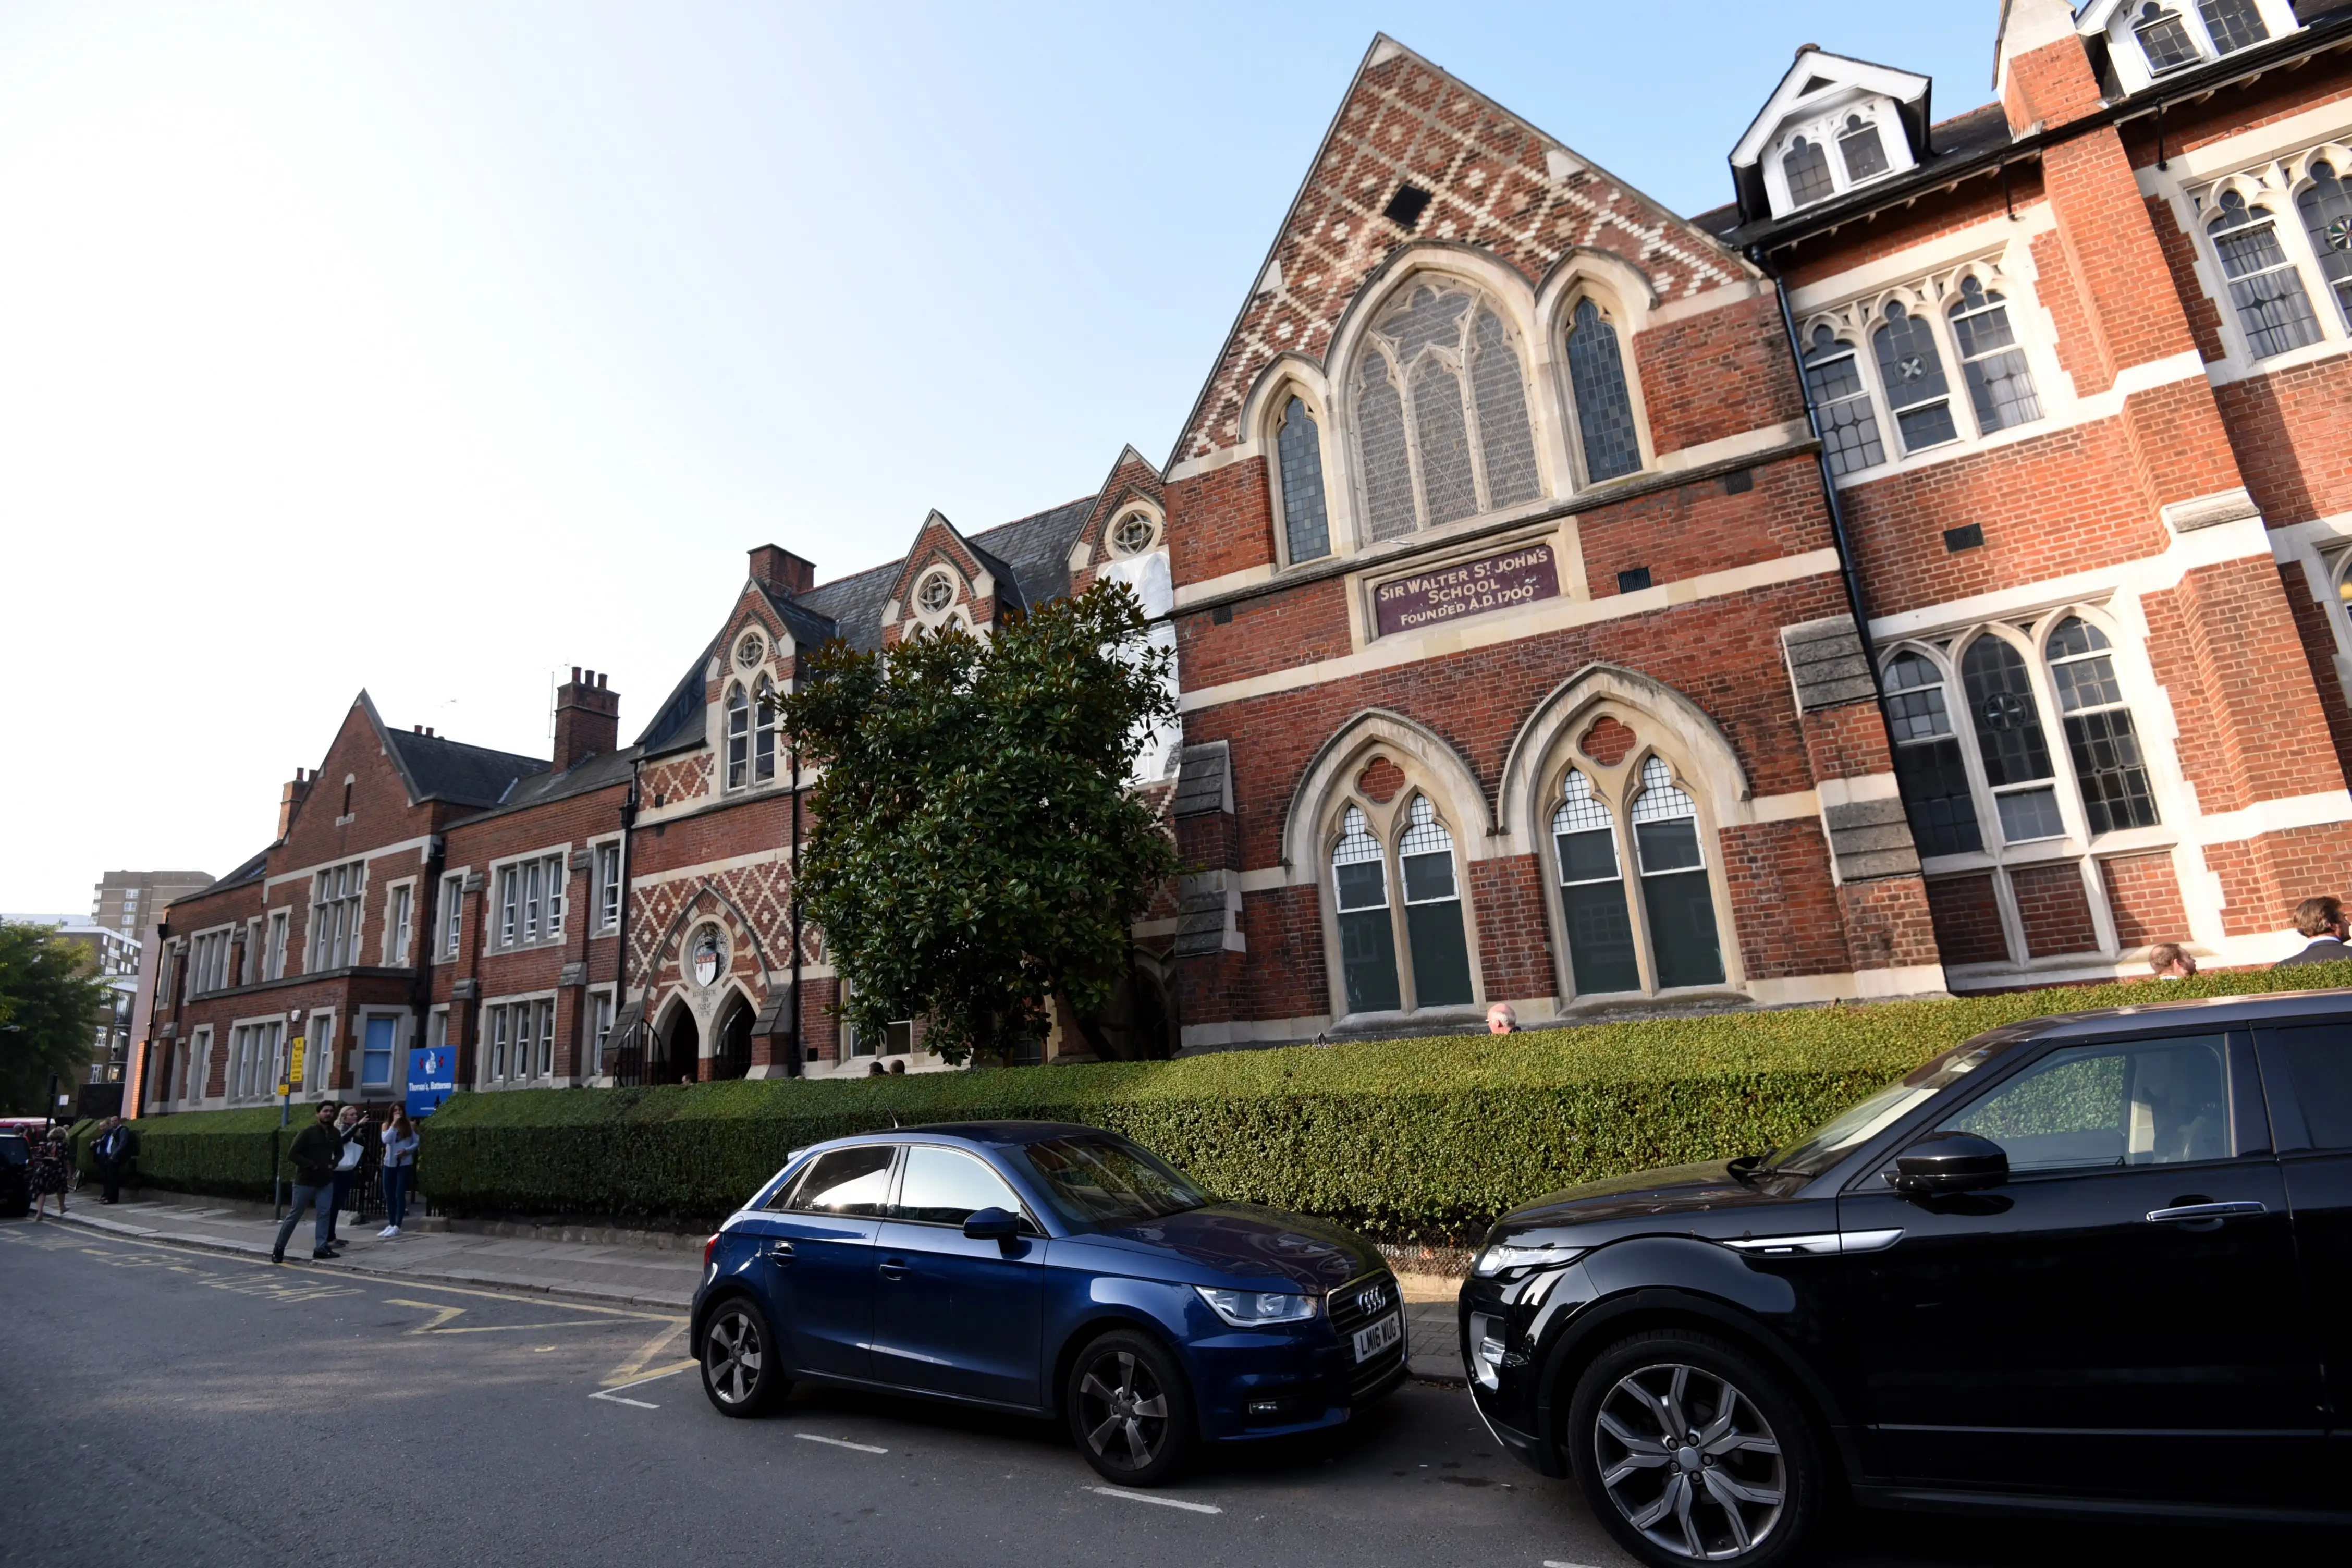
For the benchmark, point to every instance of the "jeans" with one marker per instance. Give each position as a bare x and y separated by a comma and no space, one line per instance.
323,1197
344,1181
395,1193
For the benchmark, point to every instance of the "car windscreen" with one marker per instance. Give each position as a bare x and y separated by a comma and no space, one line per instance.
1107,1181
1842,1133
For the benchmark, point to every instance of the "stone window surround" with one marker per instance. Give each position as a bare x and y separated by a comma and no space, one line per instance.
2150,714
485,1029
1388,824
1821,124
2131,67
1934,297
1538,318
2276,183
558,917
396,951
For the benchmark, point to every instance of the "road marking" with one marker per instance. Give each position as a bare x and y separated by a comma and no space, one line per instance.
1550,1562
1161,1502
441,1314
629,1369
618,1400
615,1393
840,1443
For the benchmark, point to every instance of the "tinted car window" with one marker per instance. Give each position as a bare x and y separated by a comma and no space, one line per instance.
2319,1059
947,1187
1858,1124
2141,1102
1104,1181
13,1152
846,1181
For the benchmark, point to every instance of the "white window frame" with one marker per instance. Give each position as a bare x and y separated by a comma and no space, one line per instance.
1936,299
195,1073
603,1007
399,1034
280,935
2132,72
509,1060
399,921
1387,824
449,917
608,877
520,919
208,966
328,944
1822,124
2277,184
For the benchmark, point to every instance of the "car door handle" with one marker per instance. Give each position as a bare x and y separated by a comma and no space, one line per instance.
893,1268
2193,1214
780,1251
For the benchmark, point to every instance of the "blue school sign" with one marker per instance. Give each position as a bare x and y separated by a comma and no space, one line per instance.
432,1078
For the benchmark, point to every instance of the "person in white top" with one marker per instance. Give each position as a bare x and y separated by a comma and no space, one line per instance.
400,1141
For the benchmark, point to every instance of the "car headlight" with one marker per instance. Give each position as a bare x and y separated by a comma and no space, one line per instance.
1505,1256
1249,1309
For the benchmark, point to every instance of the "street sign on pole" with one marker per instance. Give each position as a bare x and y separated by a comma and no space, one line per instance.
432,1078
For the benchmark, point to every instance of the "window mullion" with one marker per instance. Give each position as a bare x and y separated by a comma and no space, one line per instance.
1629,861
1480,487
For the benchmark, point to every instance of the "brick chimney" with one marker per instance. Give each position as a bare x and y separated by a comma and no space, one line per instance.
2044,73
587,719
784,573
292,798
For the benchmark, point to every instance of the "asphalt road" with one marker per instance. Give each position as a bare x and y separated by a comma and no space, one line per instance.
177,1406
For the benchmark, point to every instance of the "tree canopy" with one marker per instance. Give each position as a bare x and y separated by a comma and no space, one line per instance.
52,1001
977,848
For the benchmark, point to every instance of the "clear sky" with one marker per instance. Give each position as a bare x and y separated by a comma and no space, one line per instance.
433,348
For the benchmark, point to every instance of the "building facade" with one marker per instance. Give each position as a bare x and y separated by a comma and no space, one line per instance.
131,901
1924,572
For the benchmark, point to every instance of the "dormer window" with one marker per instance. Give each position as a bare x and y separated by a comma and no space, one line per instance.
1864,153
2163,39
1808,169
2232,25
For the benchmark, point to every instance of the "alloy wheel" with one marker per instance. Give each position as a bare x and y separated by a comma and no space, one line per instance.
1123,1411
1690,1461
732,1355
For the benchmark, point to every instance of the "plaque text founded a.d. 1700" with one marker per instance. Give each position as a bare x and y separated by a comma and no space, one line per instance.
1519,576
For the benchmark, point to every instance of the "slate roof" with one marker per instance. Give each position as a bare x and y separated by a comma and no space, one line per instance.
596,773
678,721
1951,143
438,769
1037,548
249,872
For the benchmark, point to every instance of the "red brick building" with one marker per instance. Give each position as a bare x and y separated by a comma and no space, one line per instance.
1926,572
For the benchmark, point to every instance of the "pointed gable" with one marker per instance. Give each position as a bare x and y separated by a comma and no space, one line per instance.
1415,156
1133,486
1834,122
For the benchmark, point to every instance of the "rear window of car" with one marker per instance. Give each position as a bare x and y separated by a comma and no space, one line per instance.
843,1181
2319,1060
13,1152
1107,1181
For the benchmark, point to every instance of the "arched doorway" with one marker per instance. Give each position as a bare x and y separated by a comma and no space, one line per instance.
676,1048
730,1055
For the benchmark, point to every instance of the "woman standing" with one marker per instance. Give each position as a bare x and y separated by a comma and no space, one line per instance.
399,1163
52,1171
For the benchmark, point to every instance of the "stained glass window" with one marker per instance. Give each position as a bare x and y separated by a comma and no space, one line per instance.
2099,733
1442,413
1912,370
1842,403
1299,447
1604,409
2000,387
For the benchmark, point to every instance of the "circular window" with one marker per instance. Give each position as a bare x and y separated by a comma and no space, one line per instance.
747,654
708,953
936,594
1133,534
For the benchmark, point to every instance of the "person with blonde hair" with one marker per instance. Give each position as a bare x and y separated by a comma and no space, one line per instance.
2170,960
400,1141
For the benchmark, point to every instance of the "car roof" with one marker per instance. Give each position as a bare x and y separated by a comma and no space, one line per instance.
2208,1012
1000,1134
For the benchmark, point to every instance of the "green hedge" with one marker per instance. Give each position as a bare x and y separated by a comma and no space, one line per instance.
223,1154
1409,1137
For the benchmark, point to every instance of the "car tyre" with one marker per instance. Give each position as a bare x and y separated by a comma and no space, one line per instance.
1690,1449
1130,1411
742,1365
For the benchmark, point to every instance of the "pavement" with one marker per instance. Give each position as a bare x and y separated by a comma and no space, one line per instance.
175,1403
627,1268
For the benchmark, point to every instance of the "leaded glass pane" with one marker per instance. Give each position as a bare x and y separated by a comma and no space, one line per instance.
2264,287
1662,799
1299,447
1604,409
1443,436
2326,210
2001,388
1864,153
2029,815
1842,403
1388,461
1424,834
2232,25
739,737
1582,812
1505,439
1808,170
1433,916
2164,41
763,750
2008,720
2100,736
1928,770
1592,893
1913,371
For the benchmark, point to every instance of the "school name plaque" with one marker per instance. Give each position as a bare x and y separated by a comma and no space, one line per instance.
1519,576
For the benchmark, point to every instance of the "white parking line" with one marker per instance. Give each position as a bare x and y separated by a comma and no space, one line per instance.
615,1393
1162,1501
840,1443
618,1400
1548,1562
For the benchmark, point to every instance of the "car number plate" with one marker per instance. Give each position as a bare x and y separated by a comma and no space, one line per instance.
1372,1341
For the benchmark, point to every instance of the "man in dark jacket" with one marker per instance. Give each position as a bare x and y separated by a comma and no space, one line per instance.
2322,920
116,1146
316,1149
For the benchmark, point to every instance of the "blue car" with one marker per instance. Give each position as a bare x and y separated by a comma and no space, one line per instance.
1049,1270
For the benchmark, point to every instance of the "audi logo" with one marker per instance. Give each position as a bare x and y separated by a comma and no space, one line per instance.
1373,1300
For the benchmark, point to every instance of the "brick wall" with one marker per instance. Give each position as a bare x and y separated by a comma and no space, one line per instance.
2143,897
1967,917
2054,909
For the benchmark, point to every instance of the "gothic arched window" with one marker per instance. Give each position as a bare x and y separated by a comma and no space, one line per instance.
2000,387
1864,153
2100,738
2010,741
1432,911
1842,403
1604,408
2265,286
1422,961
1440,413
1592,892
738,738
764,734
1299,453
2327,209
1928,769
1911,369
1367,936
1675,889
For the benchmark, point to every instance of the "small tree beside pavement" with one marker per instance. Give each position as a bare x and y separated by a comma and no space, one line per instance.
52,1000
978,848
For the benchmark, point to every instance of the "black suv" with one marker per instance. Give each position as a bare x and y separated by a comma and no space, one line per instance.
2097,1262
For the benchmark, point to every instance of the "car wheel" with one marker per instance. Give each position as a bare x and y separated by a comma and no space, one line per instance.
742,1371
1690,1449
1129,1410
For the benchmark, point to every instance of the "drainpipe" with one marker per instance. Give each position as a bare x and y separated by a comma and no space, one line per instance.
792,1068
420,983
621,927
1847,569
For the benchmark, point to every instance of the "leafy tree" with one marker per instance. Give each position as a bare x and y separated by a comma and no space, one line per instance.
977,849
52,1000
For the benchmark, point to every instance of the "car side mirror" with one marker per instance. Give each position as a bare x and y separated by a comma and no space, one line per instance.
1950,1163
991,1225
